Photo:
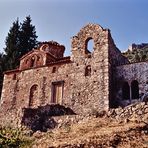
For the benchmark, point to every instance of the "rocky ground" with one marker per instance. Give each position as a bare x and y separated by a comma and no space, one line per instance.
95,133
119,128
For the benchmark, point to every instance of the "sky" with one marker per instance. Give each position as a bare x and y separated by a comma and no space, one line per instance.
59,20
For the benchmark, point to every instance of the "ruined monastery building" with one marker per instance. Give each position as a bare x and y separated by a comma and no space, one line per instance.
90,79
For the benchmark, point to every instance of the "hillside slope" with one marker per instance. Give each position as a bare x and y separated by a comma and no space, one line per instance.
95,133
137,55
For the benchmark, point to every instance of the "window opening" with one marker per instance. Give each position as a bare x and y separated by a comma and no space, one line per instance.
88,70
89,45
53,69
32,64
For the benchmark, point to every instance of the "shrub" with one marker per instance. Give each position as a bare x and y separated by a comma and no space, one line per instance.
12,138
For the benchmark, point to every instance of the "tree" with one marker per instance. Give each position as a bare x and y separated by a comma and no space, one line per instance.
21,39
12,47
28,38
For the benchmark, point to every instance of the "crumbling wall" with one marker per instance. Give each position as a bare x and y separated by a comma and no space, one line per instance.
85,78
115,59
41,118
115,56
91,91
134,112
89,79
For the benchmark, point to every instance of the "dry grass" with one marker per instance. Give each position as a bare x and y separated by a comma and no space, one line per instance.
96,132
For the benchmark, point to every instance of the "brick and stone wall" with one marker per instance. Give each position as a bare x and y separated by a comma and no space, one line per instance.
85,76
91,91
43,77
90,79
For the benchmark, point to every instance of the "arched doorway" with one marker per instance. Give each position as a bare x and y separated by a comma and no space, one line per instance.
33,98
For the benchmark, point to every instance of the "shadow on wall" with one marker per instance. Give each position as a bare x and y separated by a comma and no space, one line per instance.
41,118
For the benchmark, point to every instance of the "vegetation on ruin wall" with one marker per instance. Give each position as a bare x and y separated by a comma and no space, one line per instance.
13,138
137,55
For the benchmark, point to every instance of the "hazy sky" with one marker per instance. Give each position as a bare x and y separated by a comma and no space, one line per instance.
59,20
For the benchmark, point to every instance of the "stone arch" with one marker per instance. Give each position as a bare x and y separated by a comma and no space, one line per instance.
125,91
135,89
32,62
89,44
86,34
39,60
36,60
44,47
88,70
33,97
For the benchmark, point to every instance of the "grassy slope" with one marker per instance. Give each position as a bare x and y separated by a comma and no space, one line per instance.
96,132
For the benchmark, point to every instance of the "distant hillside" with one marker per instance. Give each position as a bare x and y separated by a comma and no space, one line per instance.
137,52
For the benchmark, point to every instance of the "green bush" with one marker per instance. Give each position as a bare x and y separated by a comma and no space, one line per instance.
12,138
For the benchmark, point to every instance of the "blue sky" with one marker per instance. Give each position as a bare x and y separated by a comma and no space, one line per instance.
59,20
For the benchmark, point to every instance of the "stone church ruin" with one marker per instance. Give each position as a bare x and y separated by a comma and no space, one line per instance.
89,79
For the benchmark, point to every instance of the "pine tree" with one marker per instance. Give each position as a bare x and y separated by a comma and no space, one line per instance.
21,39
28,38
12,46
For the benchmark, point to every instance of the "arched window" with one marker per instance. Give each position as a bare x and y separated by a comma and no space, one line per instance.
125,91
88,70
135,89
33,98
89,44
54,69
32,62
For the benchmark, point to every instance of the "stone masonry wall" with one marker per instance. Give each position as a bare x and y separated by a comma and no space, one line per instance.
115,59
43,78
91,91
82,92
134,112
91,80
128,73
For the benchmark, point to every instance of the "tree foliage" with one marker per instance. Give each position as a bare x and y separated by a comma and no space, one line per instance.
137,55
28,38
12,46
20,40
